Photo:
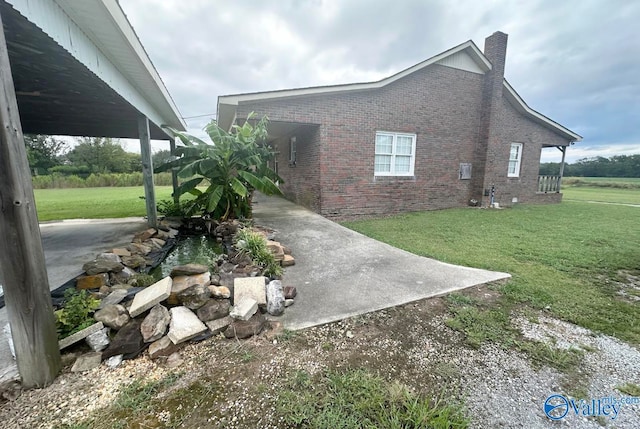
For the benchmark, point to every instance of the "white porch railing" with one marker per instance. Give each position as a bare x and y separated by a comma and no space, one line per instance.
549,184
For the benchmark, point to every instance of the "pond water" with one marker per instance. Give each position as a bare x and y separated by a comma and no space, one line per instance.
199,249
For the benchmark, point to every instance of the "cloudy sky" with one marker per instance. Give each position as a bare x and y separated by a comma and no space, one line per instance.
577,62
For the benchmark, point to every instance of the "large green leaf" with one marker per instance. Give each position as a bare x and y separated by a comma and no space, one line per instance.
188,185
238,187
264,185
214,198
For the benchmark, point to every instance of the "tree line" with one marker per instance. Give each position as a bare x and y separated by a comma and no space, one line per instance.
614,166
90,155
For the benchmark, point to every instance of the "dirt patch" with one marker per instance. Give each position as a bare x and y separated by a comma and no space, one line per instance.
235,384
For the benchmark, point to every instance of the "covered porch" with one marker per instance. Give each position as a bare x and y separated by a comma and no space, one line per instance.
551,184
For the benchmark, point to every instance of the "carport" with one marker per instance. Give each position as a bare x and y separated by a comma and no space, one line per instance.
66,68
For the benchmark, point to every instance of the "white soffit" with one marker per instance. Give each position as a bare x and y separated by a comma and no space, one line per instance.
97,34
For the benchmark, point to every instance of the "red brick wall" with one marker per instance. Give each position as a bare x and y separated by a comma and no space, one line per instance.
439,104
515,128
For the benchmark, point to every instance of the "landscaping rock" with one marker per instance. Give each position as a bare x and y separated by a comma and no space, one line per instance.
121,251
288,302
184,325
98,266
220,292
115,297
144,235
276,249
128,341
72,339
246,328
290,292
93,281
174,360
123,276
150,296
154,326
109,257
87,362
215,279
250,287
114,361
114,316
288,261
219,325
226,279
139,249
181,283
158,242
134,261
214,309
244,309
163,347
98,341
275,298
194,296
188,270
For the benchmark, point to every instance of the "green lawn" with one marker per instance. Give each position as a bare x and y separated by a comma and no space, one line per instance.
94,203
562,257
624,180
609,195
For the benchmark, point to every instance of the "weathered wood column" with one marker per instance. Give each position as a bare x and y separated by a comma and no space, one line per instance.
563,149
174,172
23,272
147,170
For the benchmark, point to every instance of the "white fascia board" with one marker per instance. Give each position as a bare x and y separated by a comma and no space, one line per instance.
475,53
536,116
50,17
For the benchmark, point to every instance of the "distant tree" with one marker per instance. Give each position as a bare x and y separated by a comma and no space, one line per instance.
615,166
161,157
43,152
102,155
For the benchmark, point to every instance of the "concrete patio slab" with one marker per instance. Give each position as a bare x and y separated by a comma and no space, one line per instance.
340,273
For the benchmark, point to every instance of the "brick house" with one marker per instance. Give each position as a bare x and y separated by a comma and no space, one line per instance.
433,136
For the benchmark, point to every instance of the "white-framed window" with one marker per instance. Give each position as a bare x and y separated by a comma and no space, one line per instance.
292,151
395,154
515,159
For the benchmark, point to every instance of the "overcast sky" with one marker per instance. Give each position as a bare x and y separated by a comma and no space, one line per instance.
577,62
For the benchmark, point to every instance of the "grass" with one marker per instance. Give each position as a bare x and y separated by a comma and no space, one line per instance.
94,203
359,399
602,189
560,257
630,389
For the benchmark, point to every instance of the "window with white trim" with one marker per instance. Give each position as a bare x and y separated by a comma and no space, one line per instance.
395,154
292,151
515,158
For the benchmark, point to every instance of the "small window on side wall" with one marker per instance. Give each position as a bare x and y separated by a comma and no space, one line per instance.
515,159
465,171
292,151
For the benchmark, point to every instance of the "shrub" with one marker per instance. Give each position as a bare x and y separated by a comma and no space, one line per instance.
76,314
254,245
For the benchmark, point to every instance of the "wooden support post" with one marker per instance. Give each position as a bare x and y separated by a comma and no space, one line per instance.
174,172
564,153
23,272
147,170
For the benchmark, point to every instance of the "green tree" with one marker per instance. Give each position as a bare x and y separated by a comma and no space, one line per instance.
102,155
232,167
161,157
43,152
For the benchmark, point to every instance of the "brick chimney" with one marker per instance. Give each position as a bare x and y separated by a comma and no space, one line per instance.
495,49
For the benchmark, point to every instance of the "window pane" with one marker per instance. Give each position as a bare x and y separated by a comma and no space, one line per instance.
403,145
383,164
515,152
513,165
384,143
403,164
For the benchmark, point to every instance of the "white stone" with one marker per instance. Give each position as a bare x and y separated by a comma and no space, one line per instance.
184,325
114,361
244,309
250,287
150,296
217,326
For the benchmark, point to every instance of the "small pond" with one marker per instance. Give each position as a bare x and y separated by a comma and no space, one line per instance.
197,249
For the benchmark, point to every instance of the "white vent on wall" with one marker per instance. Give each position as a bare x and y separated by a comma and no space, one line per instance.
465,171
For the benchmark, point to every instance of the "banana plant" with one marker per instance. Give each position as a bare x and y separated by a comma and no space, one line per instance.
232,167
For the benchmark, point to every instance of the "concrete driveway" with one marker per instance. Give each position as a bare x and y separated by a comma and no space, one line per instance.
340,273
